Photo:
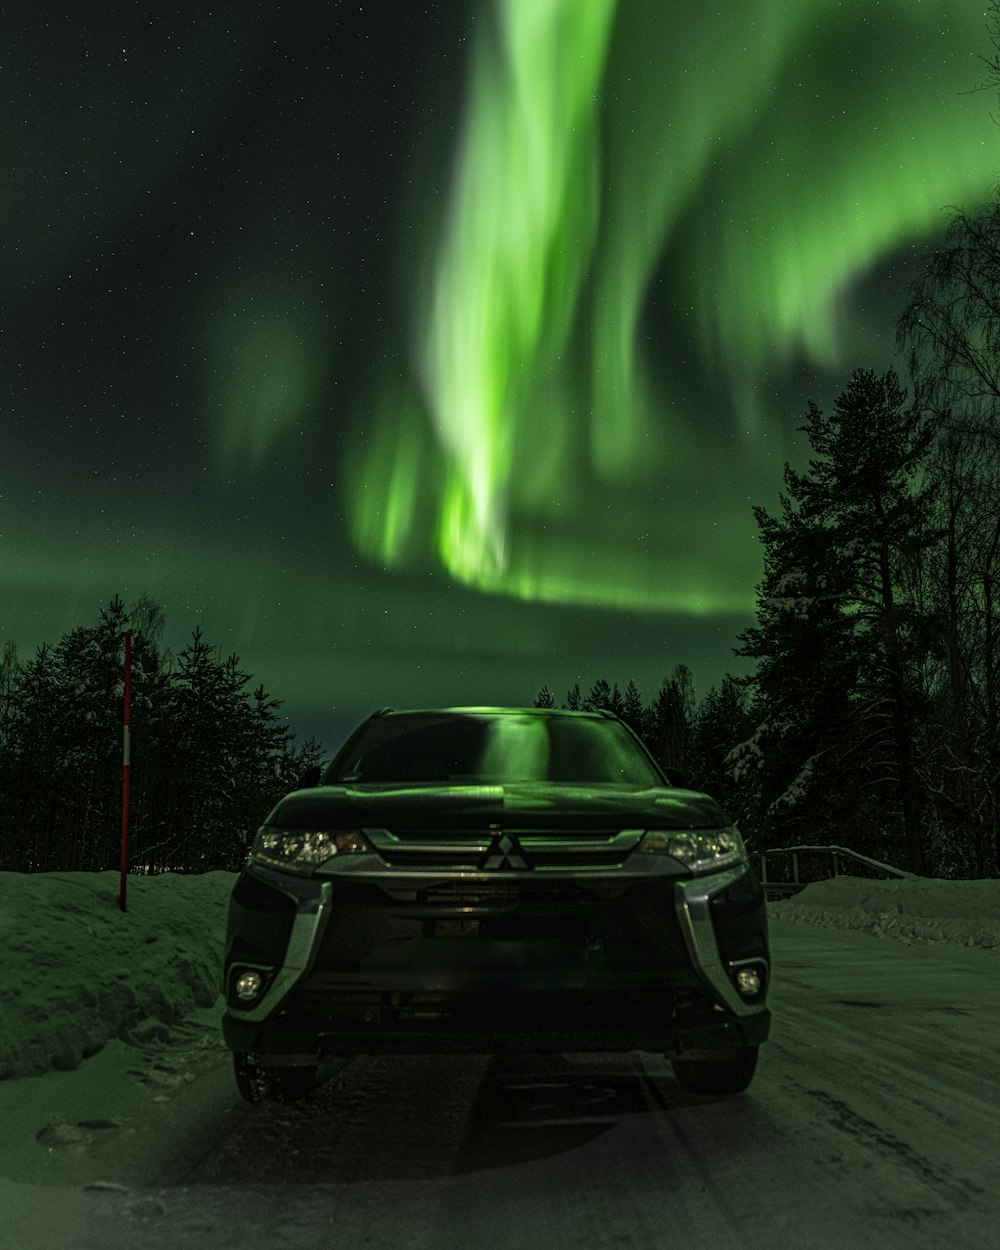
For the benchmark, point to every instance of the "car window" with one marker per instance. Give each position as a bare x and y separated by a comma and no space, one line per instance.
476,750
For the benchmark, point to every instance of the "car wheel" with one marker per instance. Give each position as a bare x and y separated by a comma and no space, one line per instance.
717,1076
260,1083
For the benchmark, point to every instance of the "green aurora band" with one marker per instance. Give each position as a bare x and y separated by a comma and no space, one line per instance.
650,220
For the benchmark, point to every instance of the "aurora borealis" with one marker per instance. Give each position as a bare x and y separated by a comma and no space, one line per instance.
429,353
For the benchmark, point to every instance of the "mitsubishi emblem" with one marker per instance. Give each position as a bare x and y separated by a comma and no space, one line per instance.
504,852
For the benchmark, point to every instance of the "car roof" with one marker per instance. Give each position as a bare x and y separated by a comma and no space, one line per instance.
596,714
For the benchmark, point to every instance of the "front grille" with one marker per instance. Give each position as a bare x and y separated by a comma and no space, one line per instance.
411,836
468,850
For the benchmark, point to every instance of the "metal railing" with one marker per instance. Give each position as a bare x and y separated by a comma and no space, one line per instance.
820,863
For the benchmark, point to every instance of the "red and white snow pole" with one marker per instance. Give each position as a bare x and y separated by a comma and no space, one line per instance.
126,762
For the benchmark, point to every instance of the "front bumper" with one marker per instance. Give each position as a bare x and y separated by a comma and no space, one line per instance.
404,964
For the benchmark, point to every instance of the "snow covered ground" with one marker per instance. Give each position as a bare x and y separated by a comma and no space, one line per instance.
119,1123
918,909
78,971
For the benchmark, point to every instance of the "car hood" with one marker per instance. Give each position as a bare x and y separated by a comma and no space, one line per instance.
526,805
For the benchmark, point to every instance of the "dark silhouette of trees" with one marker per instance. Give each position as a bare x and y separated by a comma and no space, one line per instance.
208,757
600,696
950,329
670,720
666,725
633,712
835,643
951,333
721,723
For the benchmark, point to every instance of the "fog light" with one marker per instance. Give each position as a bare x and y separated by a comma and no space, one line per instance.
748,982
248,986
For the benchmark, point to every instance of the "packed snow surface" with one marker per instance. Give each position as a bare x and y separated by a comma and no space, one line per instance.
870,1123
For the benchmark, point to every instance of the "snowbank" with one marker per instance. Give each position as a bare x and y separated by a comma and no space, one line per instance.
912,909
77,971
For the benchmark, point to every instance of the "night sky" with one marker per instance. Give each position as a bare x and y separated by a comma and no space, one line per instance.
426,353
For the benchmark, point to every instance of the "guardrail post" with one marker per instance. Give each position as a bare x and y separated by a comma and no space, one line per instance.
763,867
795,867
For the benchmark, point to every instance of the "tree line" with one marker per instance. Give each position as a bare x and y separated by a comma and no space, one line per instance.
872,717
876,697
215,755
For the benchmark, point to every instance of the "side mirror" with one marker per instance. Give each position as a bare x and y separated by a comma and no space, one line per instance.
309,778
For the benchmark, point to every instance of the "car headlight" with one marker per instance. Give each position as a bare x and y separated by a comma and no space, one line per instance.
697,849
302,850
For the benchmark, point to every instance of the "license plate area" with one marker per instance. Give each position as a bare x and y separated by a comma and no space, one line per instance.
510,928
452,928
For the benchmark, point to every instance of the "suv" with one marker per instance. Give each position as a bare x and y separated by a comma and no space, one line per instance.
488,880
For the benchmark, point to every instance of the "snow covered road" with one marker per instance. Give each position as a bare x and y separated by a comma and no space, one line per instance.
874,1121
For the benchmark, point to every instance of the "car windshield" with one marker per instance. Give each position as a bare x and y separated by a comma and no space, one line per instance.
469,749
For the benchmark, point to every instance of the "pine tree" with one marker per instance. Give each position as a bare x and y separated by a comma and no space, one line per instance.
670,720
8,684
9,681
545,698
36,735
633,712
599,696
721,723
835,690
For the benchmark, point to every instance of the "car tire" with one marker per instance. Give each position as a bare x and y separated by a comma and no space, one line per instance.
717,1076
260,1083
